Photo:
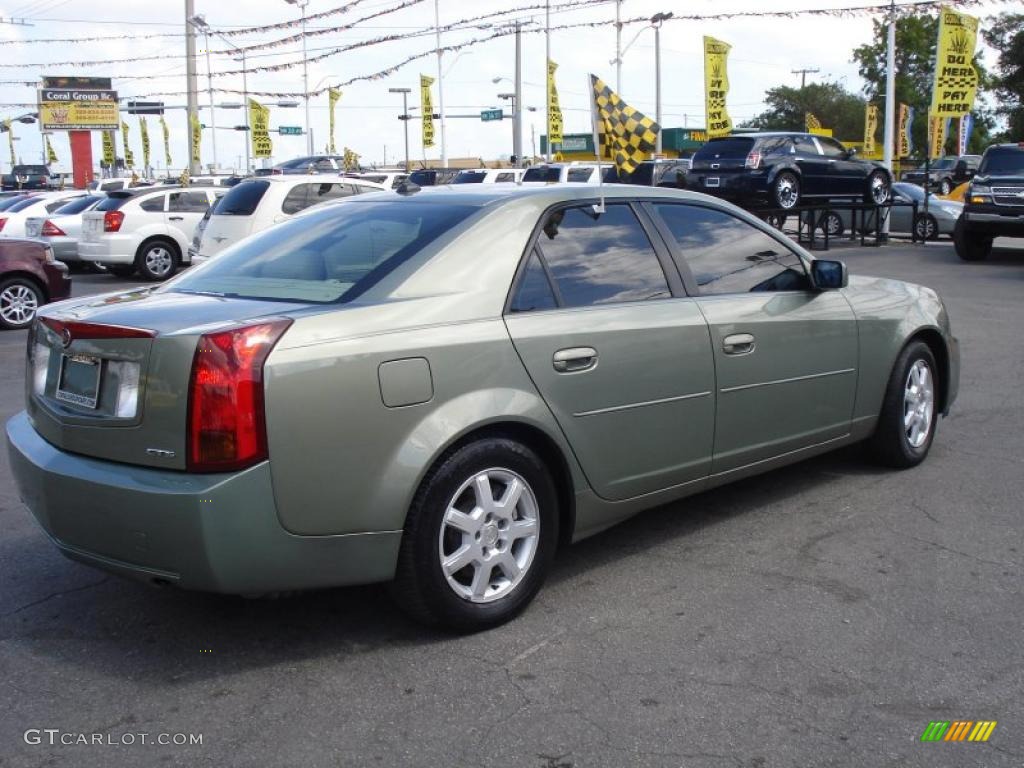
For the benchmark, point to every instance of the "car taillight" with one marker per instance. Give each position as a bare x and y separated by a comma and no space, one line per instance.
112,221
51,230
226,421
276,172
753,159
2,222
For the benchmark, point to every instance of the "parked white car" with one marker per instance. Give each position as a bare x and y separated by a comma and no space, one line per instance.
62,227
488,176
146,231
256,204
388,179
12,221
555,173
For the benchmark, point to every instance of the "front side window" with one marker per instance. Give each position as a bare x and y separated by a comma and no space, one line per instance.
805,145
831,148
600,258
728,255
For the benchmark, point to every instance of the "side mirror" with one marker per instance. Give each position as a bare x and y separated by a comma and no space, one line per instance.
852,151
828,275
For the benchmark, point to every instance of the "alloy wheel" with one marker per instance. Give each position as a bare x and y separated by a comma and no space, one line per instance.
925,227
159,261
918,404
18,304
879,189
489,535
787,191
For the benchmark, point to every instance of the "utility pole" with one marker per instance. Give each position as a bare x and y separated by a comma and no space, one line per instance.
890,105
547,80
618,47
440,84
305,72
405,117
803,75
517,129
193,90
209,85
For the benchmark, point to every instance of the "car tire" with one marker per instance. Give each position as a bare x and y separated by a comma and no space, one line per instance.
775,220
786,190
118,270
879,188
926,227
506,552
20,299
945,187
970,246
909,416
832,224
157,260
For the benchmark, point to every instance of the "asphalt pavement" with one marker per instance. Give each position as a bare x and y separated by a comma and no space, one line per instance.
820,615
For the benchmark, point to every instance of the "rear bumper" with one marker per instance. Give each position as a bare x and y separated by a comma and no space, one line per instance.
216,533
1010,224
109,249
732,185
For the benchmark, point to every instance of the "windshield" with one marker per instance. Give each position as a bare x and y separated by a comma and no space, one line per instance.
243,198
330,256
30,170
541,173
1002,162
78,205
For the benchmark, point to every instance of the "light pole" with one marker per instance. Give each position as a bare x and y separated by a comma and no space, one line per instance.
656,21
199,22
305,72
890,105
440,84
190,76
405,117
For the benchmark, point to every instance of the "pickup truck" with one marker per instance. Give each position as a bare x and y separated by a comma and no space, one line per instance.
27,177
994,203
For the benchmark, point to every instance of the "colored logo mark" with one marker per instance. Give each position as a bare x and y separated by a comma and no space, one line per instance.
958,730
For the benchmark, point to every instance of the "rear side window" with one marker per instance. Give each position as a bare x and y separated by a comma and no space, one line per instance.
805,145
188,202
423,178
469,177
600,258
728,255
327,256
541,173
154,204
243,198
503,178
535,290
302,196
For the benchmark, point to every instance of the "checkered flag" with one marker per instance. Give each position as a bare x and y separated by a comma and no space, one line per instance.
812,123
624,135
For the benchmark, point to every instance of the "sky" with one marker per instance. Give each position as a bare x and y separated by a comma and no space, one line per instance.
150,60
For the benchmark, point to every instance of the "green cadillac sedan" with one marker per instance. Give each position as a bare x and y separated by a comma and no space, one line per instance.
440,388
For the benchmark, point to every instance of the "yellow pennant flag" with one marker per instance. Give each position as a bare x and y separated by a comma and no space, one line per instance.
144,135
427,108
197,137
870,128
903,130
956,80
109,152
259,121
554,110
716,87
936,136
51,156
333,96
129,156
167,141
10,141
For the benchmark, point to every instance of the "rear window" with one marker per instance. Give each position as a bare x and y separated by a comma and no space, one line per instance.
469,177
732,146
30,170
1002,161
330,256
10,202
112,203
55,205
78,205
423,178
541,173
23,204
243,198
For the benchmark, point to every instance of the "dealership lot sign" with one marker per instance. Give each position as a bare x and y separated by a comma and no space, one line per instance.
78,104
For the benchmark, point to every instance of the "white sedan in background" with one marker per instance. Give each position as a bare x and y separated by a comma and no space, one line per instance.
12,221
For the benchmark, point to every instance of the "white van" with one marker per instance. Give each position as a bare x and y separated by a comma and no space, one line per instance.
561,173
488,176
256,204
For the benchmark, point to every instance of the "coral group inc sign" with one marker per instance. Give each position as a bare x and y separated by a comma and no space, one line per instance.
78,104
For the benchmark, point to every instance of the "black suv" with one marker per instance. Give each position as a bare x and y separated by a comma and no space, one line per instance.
652,173
994,203
27,177
782,169
945,173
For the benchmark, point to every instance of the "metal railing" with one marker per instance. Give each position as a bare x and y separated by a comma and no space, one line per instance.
813,218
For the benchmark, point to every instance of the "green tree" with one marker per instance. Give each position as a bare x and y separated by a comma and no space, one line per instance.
1005,34
916,38
832,104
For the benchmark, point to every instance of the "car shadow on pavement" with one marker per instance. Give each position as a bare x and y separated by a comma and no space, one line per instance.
167,636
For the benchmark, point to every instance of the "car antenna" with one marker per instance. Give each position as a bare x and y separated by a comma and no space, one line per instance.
408,188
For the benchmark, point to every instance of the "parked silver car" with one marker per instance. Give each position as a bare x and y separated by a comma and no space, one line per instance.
940,218
62,228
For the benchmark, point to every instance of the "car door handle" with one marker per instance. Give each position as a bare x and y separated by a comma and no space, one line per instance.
176,218
738,344
574,360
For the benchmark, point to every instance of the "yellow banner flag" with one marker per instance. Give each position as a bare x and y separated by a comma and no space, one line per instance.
936,136
716,87
333,96
10,142
144,135
870,128
109,152
51,156
259,121
903,130
129,156
554,109
427,108
197,136
956,80
167,141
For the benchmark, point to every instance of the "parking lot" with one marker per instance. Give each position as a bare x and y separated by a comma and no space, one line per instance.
820,615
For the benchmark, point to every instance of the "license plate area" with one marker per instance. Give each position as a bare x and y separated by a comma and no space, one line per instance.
79,380
712,181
